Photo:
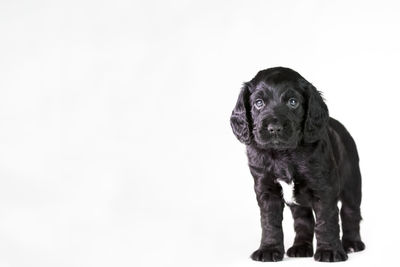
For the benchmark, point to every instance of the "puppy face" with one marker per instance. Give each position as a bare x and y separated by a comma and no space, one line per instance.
277,113
279,109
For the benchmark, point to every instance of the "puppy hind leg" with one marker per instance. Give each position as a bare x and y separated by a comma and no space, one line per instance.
304,227
350,214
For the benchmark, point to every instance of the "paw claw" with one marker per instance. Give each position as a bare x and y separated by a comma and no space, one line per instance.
353,246
330,255
304,250
267,254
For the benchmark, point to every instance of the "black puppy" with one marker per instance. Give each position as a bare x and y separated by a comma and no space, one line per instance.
299,155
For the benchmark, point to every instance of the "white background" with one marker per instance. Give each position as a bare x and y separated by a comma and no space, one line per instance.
115,143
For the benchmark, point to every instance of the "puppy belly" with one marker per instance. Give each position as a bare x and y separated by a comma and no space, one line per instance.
287,192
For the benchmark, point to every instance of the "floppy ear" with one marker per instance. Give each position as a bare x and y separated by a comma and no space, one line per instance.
240,118
317,116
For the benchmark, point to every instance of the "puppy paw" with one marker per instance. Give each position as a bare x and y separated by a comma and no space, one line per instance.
353,246
303,250
330,255
267,254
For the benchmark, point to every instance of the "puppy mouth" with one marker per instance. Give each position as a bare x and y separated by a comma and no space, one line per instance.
277,142
286,139
274,140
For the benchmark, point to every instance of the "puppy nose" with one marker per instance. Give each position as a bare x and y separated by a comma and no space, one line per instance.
274,128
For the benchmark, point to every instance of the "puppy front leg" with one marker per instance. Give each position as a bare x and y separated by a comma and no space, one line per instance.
329,247
271,247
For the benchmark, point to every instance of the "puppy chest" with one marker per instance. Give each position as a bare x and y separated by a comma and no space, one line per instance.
287,191
283,171
293,184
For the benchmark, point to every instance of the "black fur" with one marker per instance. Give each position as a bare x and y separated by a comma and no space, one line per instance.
296,141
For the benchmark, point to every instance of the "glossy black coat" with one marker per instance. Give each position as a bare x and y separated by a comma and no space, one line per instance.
313,151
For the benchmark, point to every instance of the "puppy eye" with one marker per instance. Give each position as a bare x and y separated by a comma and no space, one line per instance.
259,103
293,103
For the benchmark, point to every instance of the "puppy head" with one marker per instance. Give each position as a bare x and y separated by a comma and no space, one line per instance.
279,109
